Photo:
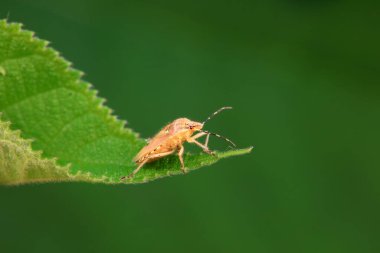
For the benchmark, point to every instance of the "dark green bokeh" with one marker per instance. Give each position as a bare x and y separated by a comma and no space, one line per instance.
303,78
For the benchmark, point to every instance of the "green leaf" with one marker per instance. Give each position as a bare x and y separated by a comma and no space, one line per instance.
60,130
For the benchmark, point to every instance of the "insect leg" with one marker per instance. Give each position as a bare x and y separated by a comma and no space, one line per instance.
206,142
205,148
145,161
180,156
198,135
135,171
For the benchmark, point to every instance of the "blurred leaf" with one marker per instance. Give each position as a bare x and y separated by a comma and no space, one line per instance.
45,99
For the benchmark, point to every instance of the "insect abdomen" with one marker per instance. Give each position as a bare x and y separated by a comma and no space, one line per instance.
168,145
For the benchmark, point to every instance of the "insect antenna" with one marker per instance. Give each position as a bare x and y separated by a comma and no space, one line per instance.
215,113
219,136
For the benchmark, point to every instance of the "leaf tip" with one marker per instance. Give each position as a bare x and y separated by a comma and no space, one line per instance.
235,152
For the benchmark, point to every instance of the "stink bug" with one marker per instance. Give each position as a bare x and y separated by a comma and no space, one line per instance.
171,138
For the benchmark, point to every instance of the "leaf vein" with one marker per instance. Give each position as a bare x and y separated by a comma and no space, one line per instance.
65,125
31,97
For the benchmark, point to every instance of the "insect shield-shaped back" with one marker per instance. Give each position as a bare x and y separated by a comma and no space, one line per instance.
171,138
168,139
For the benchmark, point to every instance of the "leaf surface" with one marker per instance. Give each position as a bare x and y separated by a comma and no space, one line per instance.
60,130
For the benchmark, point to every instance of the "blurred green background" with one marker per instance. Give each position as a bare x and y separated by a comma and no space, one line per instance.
303,78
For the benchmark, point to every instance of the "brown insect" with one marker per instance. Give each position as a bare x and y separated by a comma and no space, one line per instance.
171,138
